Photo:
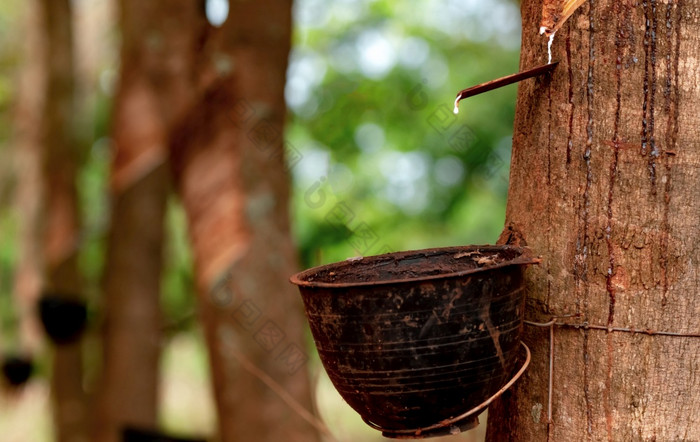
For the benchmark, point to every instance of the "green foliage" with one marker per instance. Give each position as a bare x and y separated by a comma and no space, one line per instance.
385,164
370,91
8,252
92,188
177,284
9,54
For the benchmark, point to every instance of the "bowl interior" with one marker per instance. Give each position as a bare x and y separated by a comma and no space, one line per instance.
412,266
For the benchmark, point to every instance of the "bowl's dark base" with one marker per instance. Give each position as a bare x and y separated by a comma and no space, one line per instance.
465,424
469,422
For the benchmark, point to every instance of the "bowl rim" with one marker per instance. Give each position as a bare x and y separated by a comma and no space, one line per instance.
525,257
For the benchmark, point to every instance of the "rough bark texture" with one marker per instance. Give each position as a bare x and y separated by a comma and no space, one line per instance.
230,170
604,185
60,160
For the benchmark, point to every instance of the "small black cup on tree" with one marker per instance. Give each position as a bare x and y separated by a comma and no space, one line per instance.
64,317
17,370
132,434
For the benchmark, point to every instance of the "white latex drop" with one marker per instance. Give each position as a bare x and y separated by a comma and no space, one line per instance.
549,47
456,109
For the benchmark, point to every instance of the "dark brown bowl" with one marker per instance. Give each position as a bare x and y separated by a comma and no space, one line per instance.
16,369
64,317
410,339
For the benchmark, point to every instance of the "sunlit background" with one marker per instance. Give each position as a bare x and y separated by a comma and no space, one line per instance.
380,163
370,89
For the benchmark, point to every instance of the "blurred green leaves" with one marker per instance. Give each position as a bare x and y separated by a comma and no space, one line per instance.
371,85
370,89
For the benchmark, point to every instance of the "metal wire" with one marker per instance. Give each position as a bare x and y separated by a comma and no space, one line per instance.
449,422
319,425
649,332
586,326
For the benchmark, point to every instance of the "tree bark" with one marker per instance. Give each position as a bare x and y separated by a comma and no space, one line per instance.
132,327
230,172
604,185
140,177
60,159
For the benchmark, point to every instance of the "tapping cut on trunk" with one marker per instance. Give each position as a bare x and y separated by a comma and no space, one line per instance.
555,13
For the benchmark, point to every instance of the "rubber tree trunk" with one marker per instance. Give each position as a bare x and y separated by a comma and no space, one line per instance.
60,159
230,170
132,327
604,185
140,176
28,196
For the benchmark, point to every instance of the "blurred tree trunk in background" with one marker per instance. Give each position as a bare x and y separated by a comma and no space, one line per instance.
140,175
604,185
230,170
216,96
60,159
28,194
